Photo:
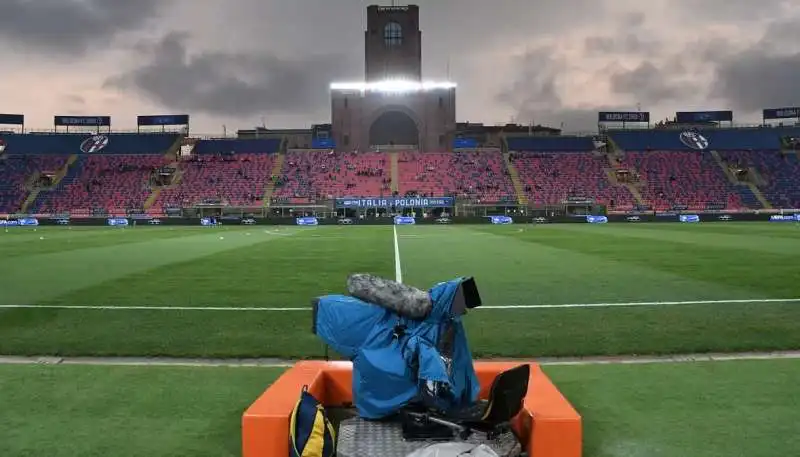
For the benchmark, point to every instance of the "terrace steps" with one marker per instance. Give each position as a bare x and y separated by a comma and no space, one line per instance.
756,176
152,198
174,150
611,145
61,172
611,173
156,190
277,168
57,178
522,197
753,186
395,172
725,168
29,200
760,196
72,166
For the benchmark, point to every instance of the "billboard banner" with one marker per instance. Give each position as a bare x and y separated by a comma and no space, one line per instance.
12,119
404,220
690,117
163,119
781,113
415,202
597,219
22,222
307,221
623,116
689,218
785,218
501,220
117,222
465,143
323,143
82,121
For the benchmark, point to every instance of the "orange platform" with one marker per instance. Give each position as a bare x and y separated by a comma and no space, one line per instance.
548,425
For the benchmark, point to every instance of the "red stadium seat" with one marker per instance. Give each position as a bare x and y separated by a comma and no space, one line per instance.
477,176
312,175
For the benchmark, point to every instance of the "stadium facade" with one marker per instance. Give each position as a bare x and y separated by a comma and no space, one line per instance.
393,106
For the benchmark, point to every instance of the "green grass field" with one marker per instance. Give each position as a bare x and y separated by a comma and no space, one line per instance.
548,290
197,286
665,410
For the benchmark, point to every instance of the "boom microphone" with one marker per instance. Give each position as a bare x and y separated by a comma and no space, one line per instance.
404,300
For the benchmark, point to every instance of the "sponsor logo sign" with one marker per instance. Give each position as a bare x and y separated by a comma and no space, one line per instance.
694,140
94,143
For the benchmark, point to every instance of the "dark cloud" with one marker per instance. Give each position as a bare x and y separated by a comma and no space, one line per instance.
629,43
74,101
634,19
647,83
63,26
237,85
754,80
764,75
729,10
629,37
781,33
534,87
534,94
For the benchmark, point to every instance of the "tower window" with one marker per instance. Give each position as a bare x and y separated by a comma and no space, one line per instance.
393,34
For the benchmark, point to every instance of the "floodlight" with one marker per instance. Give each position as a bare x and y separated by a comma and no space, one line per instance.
393,86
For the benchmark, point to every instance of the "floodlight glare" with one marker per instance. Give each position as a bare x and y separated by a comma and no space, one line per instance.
393,86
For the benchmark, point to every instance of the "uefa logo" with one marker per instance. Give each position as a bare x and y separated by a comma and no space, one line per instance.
94,143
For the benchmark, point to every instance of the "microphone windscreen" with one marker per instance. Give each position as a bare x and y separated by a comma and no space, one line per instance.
404,300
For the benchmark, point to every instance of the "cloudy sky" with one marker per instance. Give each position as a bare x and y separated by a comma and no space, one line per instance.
243,62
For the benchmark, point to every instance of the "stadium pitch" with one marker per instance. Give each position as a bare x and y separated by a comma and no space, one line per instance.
549,291
556,290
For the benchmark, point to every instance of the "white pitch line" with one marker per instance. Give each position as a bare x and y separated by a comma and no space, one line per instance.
153,308
398,273
499,307
645,303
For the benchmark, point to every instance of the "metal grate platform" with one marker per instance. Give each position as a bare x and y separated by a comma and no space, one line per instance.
361,438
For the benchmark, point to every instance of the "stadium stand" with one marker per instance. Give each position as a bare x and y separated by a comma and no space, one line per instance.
552,177
111,173
106,183
314,174
550,143
477,176
778,171
17,170
226,145
236,179
106,172
681,180
718,139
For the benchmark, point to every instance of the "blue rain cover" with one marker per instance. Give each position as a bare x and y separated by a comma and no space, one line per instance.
390,371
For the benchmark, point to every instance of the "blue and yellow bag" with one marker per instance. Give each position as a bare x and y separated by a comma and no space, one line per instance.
310,432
